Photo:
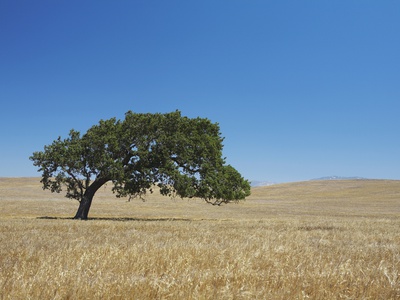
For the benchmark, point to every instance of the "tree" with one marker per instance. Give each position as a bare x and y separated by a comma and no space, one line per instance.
180,155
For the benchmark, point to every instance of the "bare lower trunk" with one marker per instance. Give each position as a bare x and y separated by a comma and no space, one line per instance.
84,206
86,201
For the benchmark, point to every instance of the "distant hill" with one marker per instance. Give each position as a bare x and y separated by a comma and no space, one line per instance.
340,178
24,197
255,183
333,192
261,183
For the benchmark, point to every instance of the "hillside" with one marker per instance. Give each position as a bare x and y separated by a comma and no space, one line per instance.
322,190
25,197
343,197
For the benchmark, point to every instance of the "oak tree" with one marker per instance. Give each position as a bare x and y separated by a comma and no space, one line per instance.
180,155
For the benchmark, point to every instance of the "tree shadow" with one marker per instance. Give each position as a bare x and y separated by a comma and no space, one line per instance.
321,227
121,219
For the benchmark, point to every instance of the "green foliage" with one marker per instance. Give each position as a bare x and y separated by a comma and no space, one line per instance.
183,156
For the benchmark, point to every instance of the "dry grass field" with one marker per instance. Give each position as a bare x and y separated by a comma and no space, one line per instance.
306,240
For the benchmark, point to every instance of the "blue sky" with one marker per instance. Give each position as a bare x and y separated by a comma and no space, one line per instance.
301,89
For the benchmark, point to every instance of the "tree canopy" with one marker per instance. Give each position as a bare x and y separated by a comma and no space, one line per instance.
180,155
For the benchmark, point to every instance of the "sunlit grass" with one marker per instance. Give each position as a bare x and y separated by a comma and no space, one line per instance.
317,240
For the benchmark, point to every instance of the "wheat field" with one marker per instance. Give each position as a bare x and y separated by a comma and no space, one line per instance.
305,240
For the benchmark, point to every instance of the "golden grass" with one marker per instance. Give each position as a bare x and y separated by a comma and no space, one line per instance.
308,240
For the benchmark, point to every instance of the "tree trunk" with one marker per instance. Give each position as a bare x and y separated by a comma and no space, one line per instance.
86,201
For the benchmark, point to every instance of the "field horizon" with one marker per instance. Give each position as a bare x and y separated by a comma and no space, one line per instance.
346,197
303,240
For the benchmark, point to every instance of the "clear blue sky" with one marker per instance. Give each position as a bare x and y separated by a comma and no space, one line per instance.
301,89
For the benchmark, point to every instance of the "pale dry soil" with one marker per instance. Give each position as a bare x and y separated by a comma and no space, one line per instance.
306,240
